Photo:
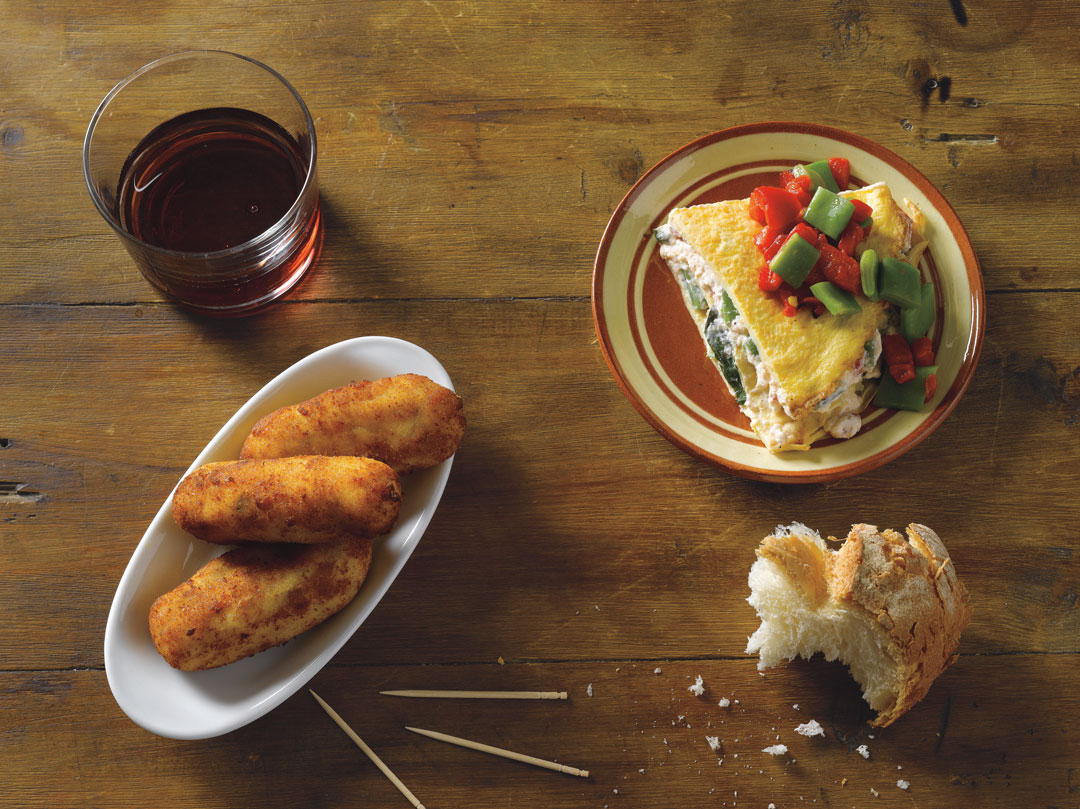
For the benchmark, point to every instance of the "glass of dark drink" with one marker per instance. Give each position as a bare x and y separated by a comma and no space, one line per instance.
204,164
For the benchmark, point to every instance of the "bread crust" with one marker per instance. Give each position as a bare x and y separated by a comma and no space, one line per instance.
906,588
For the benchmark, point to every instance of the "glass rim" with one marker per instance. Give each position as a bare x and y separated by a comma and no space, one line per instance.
237,249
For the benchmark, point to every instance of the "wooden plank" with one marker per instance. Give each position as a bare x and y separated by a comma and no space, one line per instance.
569,530
478,150
983,736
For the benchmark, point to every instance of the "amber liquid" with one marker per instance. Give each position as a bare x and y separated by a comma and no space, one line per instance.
210,180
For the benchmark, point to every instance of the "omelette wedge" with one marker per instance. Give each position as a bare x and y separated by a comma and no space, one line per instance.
797,378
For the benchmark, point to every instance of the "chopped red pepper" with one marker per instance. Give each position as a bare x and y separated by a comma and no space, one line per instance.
902,373
799,186
841,171
808,233
896,350
850,238
923,351
931,387
781,207
768,281
757,213
816,276
862,211
841,269
766,236
790,310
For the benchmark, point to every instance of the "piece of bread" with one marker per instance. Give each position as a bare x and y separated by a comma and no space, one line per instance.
891,609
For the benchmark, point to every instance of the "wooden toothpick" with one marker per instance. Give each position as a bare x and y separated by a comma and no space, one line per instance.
498,751
378,762
477,694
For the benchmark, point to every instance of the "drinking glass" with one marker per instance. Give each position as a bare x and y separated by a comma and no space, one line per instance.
203,163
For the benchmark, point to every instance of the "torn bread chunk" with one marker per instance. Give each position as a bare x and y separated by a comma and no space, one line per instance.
891,609
797,379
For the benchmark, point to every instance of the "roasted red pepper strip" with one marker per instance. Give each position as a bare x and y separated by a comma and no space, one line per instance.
841,171
780,206
902,373
850,238
923,351
757,213
774,248
766,236
810,234
768,281
799,186
862,210
841,269
931,387
816,276
896,350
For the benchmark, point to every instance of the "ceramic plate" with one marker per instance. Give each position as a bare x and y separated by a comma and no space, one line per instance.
198,705
656,353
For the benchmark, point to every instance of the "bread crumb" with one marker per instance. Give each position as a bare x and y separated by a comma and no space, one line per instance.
775,749
903,784
642,771
873,792
658,670
899,767
863,751
588,689
698,688
811,728
843,782
714,742
772,806
795,706
724,702
501,661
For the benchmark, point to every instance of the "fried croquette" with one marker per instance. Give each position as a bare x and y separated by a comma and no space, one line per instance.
406,421
255,597
305,499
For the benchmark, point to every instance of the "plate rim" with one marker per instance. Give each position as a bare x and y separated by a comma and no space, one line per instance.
151,540
972,347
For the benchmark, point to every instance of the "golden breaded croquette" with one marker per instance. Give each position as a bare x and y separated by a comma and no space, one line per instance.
305,499
406,421
255,597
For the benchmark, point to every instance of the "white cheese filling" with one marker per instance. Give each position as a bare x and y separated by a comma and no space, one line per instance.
766,402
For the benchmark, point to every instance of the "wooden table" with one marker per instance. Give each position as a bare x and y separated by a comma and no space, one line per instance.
470,156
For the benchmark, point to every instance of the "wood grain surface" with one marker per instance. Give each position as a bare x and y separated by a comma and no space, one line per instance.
470,154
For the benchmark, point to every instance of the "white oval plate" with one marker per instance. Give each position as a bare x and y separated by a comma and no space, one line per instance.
642,344
199,705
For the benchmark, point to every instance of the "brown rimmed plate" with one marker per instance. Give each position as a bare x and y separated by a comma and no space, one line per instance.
655,351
